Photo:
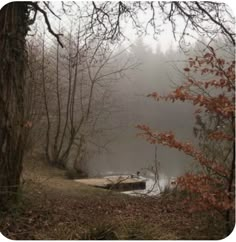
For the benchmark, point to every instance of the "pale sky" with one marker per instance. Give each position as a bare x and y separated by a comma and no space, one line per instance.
165,39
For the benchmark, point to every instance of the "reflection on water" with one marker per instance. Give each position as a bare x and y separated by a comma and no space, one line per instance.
153,186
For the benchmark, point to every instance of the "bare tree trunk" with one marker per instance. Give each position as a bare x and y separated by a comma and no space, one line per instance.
13,30
62,162
55,149
47,153
231,183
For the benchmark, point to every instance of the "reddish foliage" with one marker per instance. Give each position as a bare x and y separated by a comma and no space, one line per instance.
214,189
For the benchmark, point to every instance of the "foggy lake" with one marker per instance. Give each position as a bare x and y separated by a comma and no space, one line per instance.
128,153
117,120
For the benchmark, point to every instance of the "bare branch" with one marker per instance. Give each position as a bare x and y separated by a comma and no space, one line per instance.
228,34
37,8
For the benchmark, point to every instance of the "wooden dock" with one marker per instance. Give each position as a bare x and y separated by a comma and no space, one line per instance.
118,183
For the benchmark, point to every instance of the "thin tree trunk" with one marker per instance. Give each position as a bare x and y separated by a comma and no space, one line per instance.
229,225
47,152
62,162
55,150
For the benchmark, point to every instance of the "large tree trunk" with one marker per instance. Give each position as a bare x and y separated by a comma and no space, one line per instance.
13,30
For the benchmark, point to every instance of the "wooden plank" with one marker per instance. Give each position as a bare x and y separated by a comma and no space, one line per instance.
120,183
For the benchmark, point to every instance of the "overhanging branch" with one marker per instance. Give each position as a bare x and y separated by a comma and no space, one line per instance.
37,8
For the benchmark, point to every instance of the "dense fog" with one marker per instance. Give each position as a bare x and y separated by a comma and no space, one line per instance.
117,120
127,152
103,91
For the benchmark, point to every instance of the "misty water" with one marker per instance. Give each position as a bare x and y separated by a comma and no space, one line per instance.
127,153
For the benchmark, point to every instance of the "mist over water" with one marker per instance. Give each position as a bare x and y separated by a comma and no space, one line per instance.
128,153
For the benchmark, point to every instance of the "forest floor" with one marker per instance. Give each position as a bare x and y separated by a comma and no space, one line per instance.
53,207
